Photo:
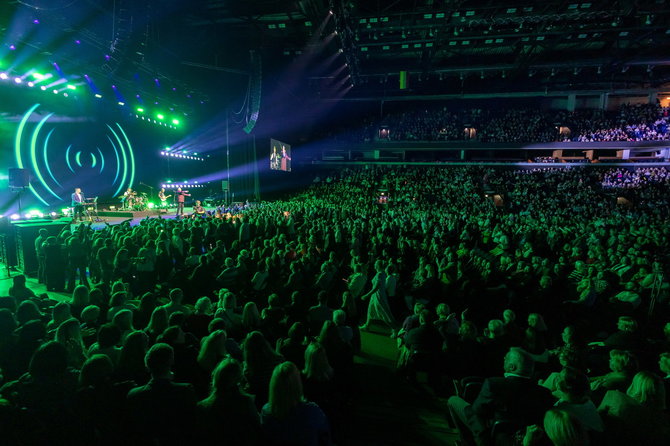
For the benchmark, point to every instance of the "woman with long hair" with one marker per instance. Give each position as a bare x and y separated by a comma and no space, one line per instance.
288,418
212,350
378,308
131,365
259,362
68,334
229,412
157,324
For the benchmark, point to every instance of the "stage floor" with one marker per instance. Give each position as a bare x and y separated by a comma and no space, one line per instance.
118,217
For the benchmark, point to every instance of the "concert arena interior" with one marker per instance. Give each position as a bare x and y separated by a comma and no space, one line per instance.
334,222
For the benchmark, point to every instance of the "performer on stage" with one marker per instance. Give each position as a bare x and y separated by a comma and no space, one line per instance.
78,205
198,210
129,198
163,198
181,196
275,162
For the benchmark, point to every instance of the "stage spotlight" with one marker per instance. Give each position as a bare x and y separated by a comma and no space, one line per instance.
160,116
14,216
330,12
140,110
151,205
175,121
98,95
18,80
55,91
121,103
12,47
71,87
38,76
3,76
31,84
65,211
54,214
65,94
43,88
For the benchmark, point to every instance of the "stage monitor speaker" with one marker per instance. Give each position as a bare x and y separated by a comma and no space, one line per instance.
26,234
19,178
224,185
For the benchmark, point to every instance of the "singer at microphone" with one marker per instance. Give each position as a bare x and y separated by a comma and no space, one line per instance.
180,195
77,205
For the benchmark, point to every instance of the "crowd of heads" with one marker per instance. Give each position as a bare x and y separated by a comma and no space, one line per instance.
513,125
247,319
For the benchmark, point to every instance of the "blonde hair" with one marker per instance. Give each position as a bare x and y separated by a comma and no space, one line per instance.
317,366
648,389
285,390
563,429
209,350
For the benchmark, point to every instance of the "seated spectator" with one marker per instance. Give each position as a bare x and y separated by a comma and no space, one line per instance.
109,338
80,299
318,377
19,291
638,415
124,321
199,320
293,347
161,411
320,313
287,418
228,412
175,304
573,396
259,362
499,400
118,302
561,429
345,331
130,366
69,335
623,366
157,324
212,351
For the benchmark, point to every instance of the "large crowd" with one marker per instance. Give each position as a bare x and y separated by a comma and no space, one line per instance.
522,125
545,301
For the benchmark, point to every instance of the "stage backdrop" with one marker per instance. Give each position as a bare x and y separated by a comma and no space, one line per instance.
88,143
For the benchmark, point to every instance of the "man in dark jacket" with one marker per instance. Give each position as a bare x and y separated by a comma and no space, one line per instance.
514,399
162,412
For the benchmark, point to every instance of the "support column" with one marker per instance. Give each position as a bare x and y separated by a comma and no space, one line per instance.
572,102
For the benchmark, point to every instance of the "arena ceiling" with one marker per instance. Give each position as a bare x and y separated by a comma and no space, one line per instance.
444,46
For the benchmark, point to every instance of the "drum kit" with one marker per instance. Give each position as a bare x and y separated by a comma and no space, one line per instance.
135,201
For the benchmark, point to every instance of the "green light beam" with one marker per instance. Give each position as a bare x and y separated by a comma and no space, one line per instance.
46,158
77,159
94,162
125,160
130,153
33,155
67,158
17,148
102,160
118,161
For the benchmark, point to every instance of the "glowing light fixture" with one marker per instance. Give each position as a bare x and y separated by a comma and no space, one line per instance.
38,76
175,121
140,110
71,87
98,95
160,116
3,76
18,80
121,103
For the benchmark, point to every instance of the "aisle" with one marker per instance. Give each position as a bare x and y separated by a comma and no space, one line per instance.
390,411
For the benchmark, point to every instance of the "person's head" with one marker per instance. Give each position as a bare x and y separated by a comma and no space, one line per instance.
329,333
573,385
69,331
467,330
322,297
418,308
648,389
622,361
536,321
425,317
90,314
317,366
177,318
251,318
135,346
496,328
213,347
109,335
19,281
564,429
77,190
627,324
256,350
509,316
159,360
664,363
571,336
203,305
339,317
44,233
226,379
124,320
158,321
285,390
97,370
519,362
118,298
443,311
216,324
176,295
49,361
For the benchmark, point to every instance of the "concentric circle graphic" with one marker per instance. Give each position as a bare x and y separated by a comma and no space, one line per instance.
95,157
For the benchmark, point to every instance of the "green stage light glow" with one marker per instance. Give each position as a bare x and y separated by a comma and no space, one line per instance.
98,95
38,76
160,116
71,87
151,205
140,110
175,121
17,147
33,154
